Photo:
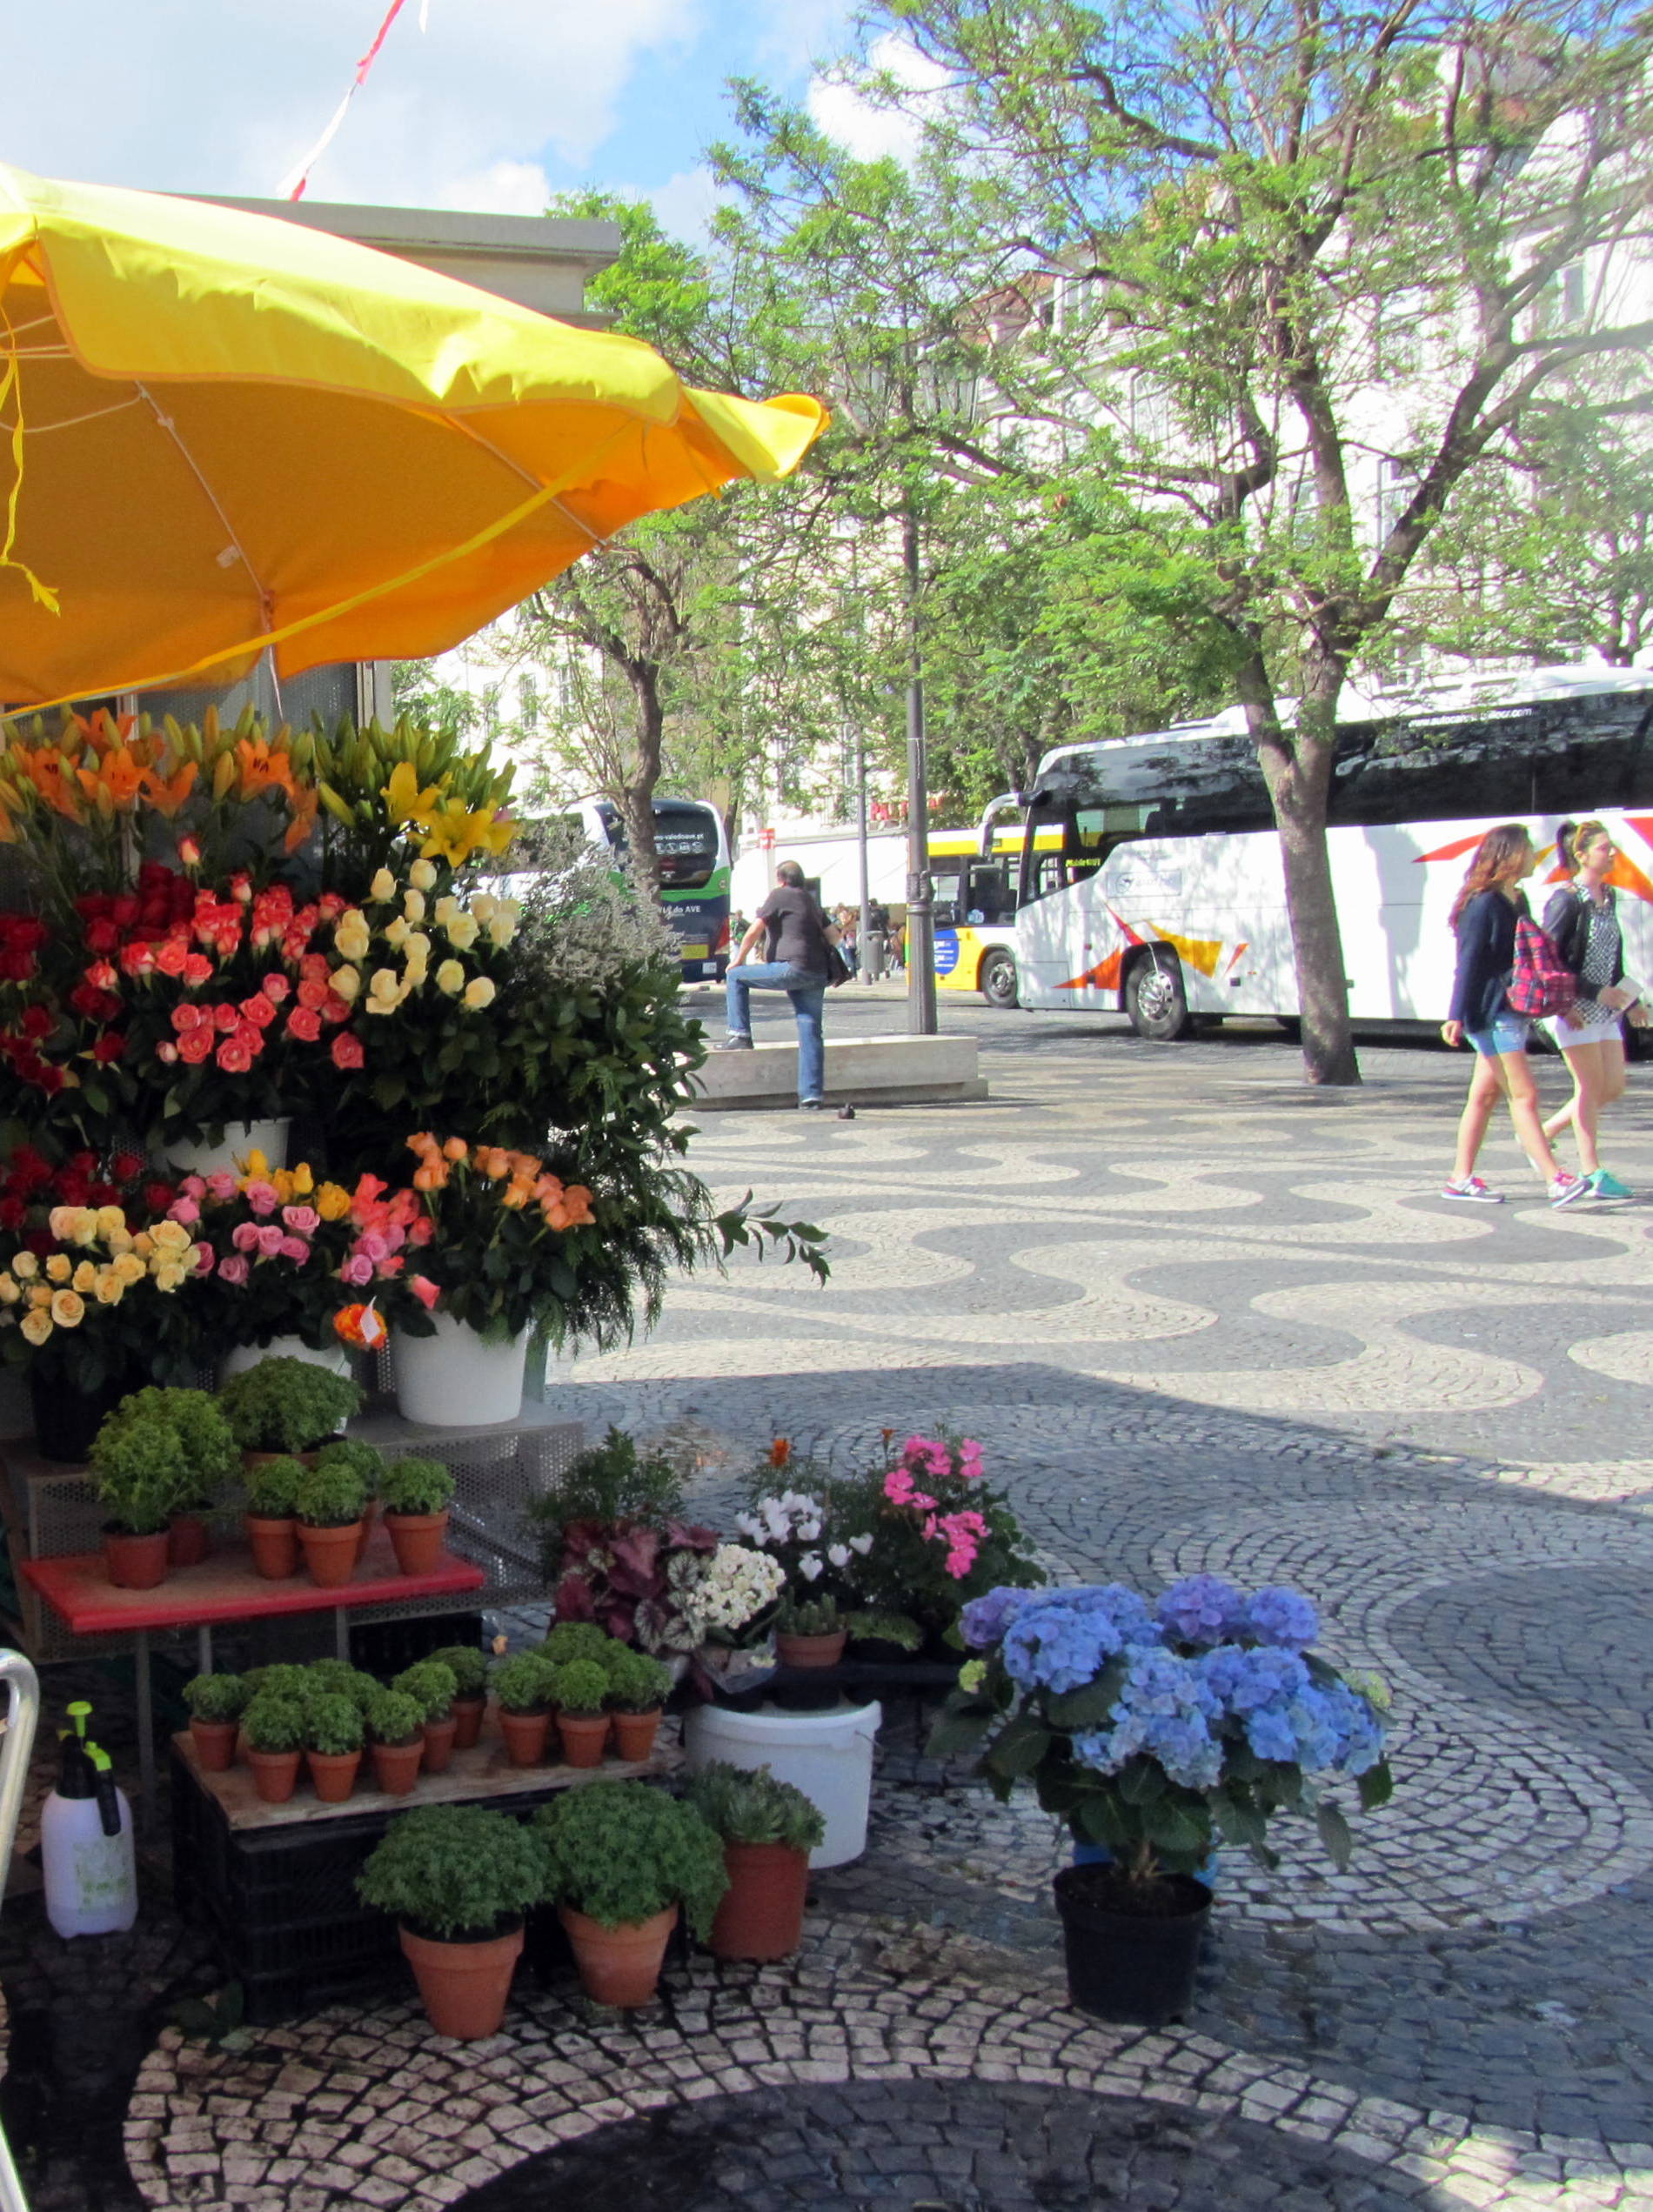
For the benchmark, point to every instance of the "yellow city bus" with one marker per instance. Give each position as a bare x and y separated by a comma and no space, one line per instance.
975,875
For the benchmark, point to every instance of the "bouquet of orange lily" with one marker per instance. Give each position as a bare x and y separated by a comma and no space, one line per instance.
505,1243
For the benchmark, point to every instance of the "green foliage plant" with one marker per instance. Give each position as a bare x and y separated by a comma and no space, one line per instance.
272,1487
392,1717
338,1678
281,1679
897,1629
430,1685
457,1872
208,1448
142,1477
469,1665
527,1682
636,1682
274,1722
285,1405
620,1852
745,1807
333,1725
330,1497
579,1688
416,1485
613,1482
362,1460
576,1640
217,1697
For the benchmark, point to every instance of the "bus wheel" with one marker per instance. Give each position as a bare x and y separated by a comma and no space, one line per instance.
997,979
1154,998
1293,1026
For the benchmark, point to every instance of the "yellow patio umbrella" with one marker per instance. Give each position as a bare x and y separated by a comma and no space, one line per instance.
223,433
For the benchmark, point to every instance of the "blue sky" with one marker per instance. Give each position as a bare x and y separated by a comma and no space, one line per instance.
491,104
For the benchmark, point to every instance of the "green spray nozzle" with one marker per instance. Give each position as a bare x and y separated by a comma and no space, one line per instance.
101,1759
80,1712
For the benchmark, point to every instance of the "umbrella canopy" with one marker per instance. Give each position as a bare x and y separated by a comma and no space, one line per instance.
223,433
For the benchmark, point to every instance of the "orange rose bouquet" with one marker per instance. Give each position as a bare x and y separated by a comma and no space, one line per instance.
506,1243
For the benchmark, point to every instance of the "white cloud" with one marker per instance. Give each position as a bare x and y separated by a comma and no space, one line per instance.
225,95
868,133
686,204
504,188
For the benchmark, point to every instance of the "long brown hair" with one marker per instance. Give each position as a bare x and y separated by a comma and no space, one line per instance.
1496,858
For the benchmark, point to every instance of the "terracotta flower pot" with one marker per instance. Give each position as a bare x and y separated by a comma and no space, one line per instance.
274,1544
215,1743
810,1651
584,1737
188,1539
464,1986
396,1766
467,1716
618,1966
417,1538
333,1774
525,1736
275,1773
330,1553
135,1562
761,1914
370,1515
438,1744
634,1734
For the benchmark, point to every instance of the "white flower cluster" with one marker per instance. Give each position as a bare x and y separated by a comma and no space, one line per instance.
790,1519
739,1585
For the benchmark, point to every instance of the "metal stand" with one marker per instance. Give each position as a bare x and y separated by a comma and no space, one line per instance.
22,1712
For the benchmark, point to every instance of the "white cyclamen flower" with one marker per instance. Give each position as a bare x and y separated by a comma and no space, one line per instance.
838,1555
862,1544
810,1566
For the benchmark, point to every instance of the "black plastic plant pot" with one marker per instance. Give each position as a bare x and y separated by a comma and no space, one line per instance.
66,1419
1132,1966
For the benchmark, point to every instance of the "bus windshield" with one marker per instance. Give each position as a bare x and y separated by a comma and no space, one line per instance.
687,841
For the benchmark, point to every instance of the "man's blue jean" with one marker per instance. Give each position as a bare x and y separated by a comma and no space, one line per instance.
807,991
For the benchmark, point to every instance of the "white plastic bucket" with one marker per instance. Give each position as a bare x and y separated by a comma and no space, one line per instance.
333,1357
456,1379
827,1755
240,1139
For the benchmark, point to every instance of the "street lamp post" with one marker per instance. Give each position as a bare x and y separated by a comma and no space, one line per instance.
921,913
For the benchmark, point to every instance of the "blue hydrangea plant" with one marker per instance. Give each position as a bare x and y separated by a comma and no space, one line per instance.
1157,1728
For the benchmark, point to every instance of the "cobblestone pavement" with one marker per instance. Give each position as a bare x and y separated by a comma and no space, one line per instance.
1200,1319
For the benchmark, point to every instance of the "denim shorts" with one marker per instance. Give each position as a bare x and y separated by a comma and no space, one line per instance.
1508,1033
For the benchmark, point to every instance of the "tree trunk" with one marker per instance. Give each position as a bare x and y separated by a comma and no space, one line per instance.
1297,767
637,798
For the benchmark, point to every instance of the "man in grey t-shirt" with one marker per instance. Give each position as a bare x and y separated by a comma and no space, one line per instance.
799,933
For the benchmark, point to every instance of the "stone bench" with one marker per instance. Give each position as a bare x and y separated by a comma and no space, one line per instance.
869,1071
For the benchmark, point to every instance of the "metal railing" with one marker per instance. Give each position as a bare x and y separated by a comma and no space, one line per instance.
22,1712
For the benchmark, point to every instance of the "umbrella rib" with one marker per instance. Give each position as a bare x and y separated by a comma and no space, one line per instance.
265,605
73,422
457,423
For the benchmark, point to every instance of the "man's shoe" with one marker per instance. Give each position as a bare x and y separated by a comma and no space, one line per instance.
1602,1185
811,1106
735,1044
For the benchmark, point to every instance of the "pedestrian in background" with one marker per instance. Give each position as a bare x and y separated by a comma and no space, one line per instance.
1484,916
1581,921
796,934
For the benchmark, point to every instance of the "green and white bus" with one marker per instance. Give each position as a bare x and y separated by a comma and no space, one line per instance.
691,845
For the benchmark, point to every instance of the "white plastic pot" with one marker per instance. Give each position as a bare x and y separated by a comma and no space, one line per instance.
827,1755
334,1358
268,1137
456,1379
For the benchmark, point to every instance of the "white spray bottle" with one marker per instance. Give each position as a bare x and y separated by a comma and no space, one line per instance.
86,1846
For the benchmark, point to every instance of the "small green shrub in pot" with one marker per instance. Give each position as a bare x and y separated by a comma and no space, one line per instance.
204,1439
338,1678
576,1640
272,1487
458,1878
579,1688
364,1461
636,1682
274,1722
620,1852
331,1497
416,1485
469,1666
287,1405
754,1808
283,1678
217,1698
430,1685
333,1725
392,1717
141,1476
527,1682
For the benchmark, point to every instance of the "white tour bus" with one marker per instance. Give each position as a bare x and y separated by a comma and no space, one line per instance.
1164,896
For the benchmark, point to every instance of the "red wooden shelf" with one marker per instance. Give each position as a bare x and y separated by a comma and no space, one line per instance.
225,1588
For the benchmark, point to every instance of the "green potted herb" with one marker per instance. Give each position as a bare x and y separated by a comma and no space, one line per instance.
525,1688
271,1521
365,1462
210,1457
458,1879
287,1406
336,1677
469,1666
768,1830
576,1640
273,1727
330,1502
579,1692
216,1703
396,1741
432,1685
333,1744
809,1632
416,1495
637,1689
141,1476
624,1858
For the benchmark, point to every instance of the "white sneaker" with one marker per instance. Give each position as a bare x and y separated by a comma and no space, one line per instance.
1567,1189
1472,1187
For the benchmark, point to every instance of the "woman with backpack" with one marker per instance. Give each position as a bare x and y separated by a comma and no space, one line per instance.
1490,903
1581,922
